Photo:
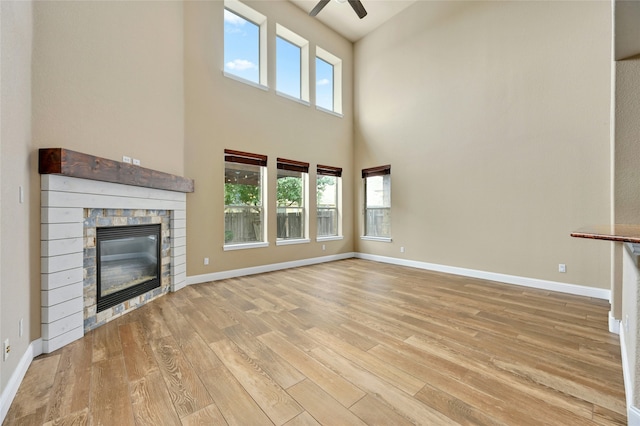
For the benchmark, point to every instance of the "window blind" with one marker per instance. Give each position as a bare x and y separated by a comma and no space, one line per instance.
293,166
329,171
245,158
376,171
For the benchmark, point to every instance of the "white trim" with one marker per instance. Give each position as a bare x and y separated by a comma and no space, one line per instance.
328,111
575,289
633,414
337,77
381,239
291,242
303,44
330,238
9,393
63,199
245,81
230,247
614,324
260,20
293,98
578,290
215,276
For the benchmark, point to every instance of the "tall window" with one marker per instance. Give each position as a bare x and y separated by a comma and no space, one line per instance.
244,177
292,198
377,189
324,84
244,43
328,196
328,81
292,64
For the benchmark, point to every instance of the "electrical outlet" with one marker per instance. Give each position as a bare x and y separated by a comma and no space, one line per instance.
6,348
206,260
20,327
136,162
401,249
126,159
324,247
562,267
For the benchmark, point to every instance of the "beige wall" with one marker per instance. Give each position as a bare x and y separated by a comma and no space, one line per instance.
495,119
108,80
19,278
224,113
627,133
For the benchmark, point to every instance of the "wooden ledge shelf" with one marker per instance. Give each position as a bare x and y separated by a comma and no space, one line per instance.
60,161
620,233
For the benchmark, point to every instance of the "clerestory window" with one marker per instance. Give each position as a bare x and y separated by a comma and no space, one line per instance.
292,64
328,81
245,43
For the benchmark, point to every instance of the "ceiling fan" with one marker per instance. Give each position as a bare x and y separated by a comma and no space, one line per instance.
355,4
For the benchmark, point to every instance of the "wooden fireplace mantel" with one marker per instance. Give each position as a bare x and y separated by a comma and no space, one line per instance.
61,161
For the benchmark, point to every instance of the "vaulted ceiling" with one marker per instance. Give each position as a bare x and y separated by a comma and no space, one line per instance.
339,15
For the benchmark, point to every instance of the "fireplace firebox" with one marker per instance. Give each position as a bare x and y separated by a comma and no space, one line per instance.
128,262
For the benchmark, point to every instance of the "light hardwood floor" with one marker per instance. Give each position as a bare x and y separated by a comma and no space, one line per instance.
348,342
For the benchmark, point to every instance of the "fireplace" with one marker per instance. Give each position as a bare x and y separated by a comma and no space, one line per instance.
128,263
80,194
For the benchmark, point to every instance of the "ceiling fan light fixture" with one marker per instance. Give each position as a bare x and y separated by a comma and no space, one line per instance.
355,4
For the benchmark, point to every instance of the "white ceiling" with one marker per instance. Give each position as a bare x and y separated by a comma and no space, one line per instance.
342,19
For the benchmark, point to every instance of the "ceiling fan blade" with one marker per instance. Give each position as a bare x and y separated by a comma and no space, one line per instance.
358,7
321,4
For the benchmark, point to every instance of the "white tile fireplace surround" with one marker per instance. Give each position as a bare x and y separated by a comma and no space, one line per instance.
63,200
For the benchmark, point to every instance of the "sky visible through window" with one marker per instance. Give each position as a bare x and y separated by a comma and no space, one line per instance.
324,84
287,68
242,58
241,47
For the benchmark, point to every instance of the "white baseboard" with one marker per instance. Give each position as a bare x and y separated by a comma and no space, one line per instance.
215,276
633,416
614,324
9,392
579,290
633,413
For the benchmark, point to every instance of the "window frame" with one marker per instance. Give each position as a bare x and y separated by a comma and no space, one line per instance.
303,168
303,44
249,14
240,157
336,62
370,173
336,172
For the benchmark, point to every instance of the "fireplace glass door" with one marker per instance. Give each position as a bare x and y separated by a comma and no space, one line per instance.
128,262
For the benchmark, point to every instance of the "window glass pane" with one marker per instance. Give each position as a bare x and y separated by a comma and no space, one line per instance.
241,47
324,84
290,198
378,206
243,210
287,67
327,215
